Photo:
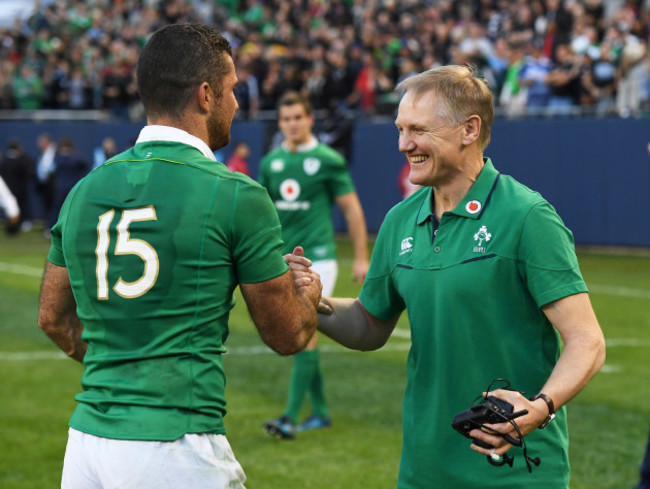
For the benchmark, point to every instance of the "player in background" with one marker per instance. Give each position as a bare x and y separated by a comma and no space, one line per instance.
305,178
145,257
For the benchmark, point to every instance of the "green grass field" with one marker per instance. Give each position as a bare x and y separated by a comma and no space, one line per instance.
608,421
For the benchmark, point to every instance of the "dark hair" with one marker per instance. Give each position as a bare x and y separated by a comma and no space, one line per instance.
66,143
14,144
295,98
175,61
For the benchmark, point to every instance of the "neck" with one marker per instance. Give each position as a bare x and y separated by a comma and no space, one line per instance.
186,124
449,194
294,146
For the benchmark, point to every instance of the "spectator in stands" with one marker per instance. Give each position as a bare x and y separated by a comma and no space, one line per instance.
533,76
632,73
513,95
6,85
27,89
598,81
78,90
17,170
275,34
371,83
564,81
118,88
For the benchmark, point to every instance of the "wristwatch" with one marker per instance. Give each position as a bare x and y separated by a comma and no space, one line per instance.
551,409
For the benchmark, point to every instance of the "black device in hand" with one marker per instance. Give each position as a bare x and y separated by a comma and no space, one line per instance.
492,410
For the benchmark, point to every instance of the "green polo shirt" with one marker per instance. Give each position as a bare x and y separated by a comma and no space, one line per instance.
473,287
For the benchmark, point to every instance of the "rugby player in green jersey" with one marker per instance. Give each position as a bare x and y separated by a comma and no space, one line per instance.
145,257
488,275
305,178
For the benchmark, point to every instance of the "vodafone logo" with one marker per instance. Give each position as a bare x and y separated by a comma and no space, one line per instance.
290,190
473,206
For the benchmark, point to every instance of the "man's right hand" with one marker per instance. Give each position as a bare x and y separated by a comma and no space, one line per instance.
284,308
306,281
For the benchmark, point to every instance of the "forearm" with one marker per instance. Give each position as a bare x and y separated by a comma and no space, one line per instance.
584,347
67,336
580,360
285,317
307,320
57,314
352,326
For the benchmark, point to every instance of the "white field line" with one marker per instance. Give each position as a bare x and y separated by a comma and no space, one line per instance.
21,269
596,289
619,291
398,333
9,356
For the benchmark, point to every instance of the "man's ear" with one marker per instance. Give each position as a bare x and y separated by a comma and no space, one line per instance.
204,96
471,129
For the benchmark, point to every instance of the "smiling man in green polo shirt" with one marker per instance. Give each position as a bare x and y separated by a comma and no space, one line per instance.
488,275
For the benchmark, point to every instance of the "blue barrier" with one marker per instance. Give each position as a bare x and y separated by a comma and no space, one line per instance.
595,172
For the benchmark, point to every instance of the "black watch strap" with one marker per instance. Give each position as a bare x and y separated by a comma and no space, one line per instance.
551,409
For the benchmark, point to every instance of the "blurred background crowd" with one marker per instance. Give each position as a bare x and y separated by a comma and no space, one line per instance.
541,57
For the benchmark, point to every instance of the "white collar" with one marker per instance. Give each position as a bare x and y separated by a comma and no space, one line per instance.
308,146
168,133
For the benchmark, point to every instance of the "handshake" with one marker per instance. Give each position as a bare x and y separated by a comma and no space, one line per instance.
304,276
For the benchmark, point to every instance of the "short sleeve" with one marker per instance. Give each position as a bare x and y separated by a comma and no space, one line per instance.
257,240
340,181
378,294
55,255
547,258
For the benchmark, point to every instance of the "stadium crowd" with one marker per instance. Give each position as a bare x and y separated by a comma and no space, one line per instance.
540,56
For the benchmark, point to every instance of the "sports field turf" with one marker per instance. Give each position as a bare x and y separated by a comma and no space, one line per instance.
608,421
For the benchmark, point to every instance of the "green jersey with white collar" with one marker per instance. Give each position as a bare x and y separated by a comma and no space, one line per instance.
303,186
155,242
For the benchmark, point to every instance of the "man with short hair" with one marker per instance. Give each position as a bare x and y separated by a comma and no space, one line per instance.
145,257
305,178
489,277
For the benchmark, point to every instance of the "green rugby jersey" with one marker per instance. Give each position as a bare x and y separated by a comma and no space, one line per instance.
155,242
473,289
303,186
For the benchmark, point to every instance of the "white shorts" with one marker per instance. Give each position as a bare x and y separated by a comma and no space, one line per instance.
195,461
328,271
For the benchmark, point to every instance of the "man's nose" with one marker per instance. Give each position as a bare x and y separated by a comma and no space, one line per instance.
405,144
